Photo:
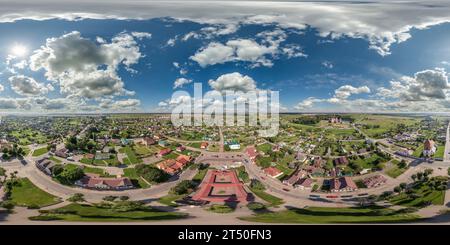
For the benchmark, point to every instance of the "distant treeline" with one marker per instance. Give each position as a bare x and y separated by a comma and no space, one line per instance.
314,119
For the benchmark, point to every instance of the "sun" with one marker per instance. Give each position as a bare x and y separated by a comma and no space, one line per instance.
19,50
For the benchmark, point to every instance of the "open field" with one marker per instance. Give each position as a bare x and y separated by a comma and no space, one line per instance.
27,194
322,215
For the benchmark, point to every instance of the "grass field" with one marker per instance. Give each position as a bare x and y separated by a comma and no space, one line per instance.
131,156
79,212
423,193
272,200
170,199
40,152
27,194
136,179
323,215
394,171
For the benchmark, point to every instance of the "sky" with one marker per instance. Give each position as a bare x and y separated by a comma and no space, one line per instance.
110,56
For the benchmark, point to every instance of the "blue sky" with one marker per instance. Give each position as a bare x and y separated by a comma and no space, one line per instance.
132,65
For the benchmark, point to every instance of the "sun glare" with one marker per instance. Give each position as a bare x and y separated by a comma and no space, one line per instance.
19,50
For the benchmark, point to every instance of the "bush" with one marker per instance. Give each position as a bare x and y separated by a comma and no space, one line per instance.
151,174
184,187
110,198
69,175
33,206
9,205
256,184
256,206
77,197
124,198
222,209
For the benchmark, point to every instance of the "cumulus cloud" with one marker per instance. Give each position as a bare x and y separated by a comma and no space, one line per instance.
233,82
2,88
15,103
327,64
27,86
85,68
180,82
214,53
248,50
119,104
425,85
345,91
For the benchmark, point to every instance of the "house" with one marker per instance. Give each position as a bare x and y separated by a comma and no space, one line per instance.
124,141
374,181
204,145
181,148
164,152
163,143
235,146
62,153
172,166
335,120
89,156
429,148
94,181
305,183
340,161
45,165
273,172
342,184
147,141
293,179
301,157
183,159
101,156
317,163
252,153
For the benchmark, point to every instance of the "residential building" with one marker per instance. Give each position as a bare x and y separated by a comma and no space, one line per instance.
374,181
429,148
273,172
164,152
94,181
342,184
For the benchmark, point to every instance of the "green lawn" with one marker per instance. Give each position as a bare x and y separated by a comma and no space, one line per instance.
266,148
221,209
272,200
79,212
170,199
200,175
56,160
440,151
131,156
40,152
323,215
394,171
27,194
135,178
424,193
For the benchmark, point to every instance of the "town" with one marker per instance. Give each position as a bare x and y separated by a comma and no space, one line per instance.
61,168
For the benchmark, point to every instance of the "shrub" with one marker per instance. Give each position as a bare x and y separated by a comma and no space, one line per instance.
255,206
256,184
184,187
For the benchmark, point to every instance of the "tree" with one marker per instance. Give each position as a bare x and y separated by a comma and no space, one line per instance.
402,164
151,173
184,187
397,189
414,177
428,171
70,175
403,186
256,184
77,197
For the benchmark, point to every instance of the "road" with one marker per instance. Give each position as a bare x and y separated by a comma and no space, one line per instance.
447,145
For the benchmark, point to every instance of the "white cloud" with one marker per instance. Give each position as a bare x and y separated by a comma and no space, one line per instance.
180,82
327,64
248,50
27,86
425,85
214,53
233,82
2,88
141,35
345,91
382,23
75,63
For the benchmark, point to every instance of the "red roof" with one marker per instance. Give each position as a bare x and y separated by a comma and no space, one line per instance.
342,183
251,152
204,145
164,151
113,183
272,171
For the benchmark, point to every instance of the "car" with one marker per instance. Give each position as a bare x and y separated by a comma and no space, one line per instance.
263,178
346,196
332,196
314,195
363,194
286,189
